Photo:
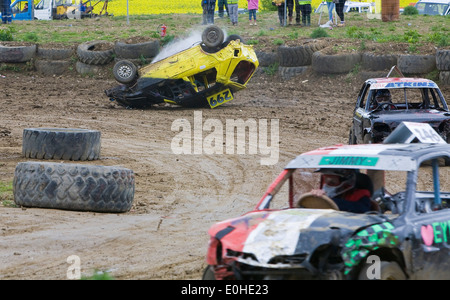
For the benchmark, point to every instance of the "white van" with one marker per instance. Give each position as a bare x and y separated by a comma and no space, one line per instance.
433,7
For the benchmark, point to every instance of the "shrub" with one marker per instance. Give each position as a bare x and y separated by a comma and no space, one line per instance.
6,34
410,10
318,33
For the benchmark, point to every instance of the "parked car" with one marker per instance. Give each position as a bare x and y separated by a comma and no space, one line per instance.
285,237
207,74
383,103
433,7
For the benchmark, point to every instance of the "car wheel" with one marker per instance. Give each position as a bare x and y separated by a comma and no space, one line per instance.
389,270
212,36
208,274
125,71
367,139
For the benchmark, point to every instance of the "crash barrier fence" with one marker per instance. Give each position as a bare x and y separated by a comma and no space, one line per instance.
286,62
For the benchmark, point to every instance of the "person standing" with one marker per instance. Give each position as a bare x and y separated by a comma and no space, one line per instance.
6,11
330,6
220,5
305,8
290,8
252,8
297,13
340,11
208,11
233,10
280,5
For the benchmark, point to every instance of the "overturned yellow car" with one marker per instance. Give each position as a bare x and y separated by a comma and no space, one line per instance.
207,74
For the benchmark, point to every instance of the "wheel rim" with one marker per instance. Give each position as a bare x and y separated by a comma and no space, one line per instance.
124,71
212,36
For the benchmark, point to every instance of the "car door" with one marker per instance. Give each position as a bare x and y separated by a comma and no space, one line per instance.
430,257
359,113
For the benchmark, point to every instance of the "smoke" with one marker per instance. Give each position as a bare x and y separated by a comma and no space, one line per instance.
180,44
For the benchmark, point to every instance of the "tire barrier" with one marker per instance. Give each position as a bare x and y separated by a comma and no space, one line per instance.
416,64
334,64
106,189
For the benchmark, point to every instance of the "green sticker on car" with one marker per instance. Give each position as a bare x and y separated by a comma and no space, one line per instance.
349,161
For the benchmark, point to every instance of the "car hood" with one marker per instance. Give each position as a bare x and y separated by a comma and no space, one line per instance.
412,115
259,237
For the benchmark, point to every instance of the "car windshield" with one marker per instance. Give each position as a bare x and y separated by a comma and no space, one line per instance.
388,188
431,8
407,98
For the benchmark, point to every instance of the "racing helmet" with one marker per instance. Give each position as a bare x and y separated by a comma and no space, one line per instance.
383,95
332,189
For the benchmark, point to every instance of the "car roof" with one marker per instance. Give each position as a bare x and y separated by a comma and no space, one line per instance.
434,1
393,157
400,82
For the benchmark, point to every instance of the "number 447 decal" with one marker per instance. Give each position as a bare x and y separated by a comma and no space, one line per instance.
219,98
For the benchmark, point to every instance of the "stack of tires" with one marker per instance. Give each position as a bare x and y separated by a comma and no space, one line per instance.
70,186
443,65
93,55
53,61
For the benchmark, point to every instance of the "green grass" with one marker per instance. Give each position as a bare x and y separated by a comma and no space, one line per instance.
6,194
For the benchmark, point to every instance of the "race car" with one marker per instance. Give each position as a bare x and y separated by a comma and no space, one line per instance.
207,74
383,103
291,234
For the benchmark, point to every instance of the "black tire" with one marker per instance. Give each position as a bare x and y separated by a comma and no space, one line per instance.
443,60
73,187
51,67
212,36
86,69
378,62
416,64
135,51
444,77
88,54
208,274
125,71
389,270
16,54
61,143
334,64
267,59
55,54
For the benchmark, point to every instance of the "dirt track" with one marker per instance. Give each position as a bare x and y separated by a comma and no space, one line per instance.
177,197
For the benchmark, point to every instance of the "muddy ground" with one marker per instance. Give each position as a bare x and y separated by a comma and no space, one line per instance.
178,197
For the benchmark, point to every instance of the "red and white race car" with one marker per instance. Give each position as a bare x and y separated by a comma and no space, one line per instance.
405,231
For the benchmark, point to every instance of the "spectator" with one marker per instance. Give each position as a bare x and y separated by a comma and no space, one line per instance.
220,6
252,8
330,6
297,13
290,8
305,8
340,11
6,11
280,5
233,11
208,11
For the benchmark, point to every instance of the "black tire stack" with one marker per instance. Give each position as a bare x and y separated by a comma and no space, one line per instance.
53,61
443,65
139,53
70,186
93,55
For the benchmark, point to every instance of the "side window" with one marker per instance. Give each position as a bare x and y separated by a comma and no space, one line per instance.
362,96
433,186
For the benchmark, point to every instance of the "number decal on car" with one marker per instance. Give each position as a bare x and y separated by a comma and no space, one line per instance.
219,98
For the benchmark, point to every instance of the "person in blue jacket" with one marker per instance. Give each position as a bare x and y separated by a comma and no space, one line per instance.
6,11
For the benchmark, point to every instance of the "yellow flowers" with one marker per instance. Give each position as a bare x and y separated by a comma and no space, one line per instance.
154,7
